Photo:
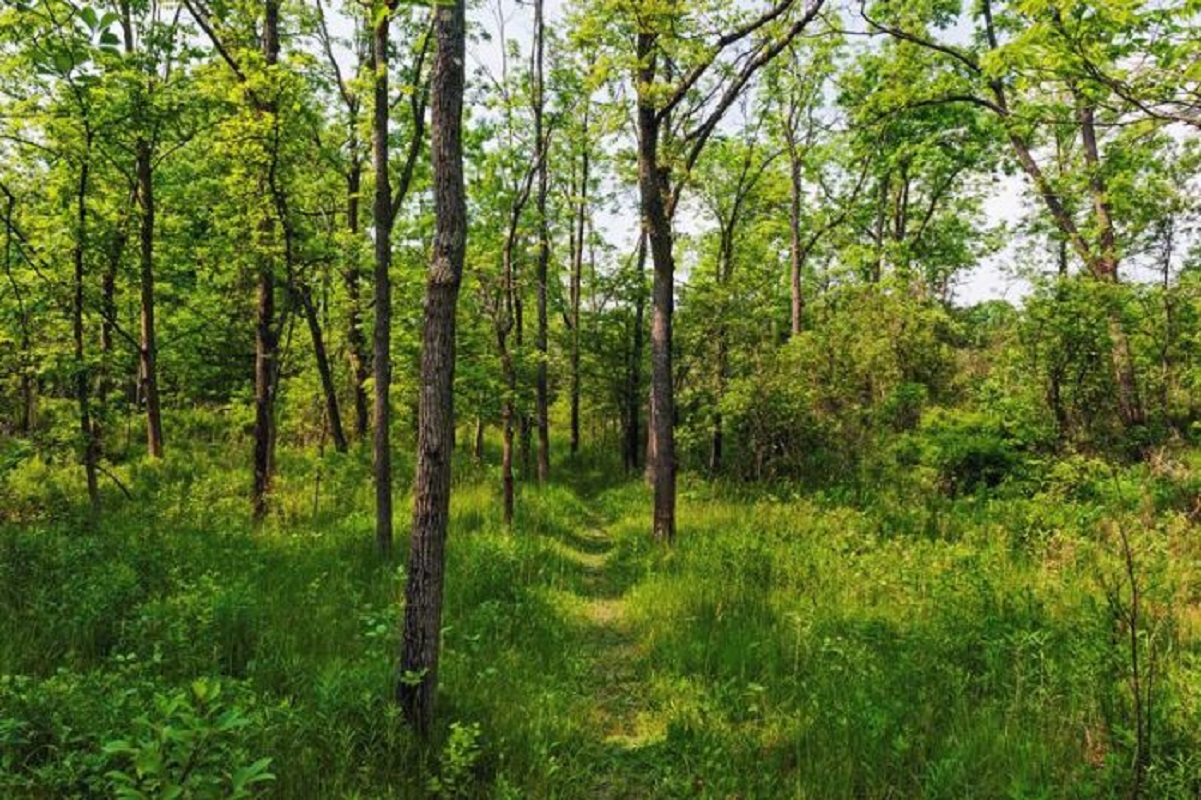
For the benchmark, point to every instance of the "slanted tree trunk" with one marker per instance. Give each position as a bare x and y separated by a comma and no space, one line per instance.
328,390
382,339
418,678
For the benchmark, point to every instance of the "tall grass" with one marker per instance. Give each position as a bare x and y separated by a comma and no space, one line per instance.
788,646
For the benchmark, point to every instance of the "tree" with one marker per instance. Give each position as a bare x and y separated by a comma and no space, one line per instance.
1016,51
542,399
675,120
418,679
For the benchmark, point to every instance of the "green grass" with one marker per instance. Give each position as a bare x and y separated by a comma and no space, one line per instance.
900,644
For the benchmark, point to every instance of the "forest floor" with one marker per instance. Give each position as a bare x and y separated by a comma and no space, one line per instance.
887,643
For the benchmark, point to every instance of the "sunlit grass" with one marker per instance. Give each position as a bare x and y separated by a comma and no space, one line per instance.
787,646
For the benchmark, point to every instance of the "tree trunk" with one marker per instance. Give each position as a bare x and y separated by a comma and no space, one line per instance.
542,393
1105,267
794,244
881,228
148,344
725,266
633,436
108,321
577,273
328,390
91,449
28,393
418,679
506,456
356,342
266,345
477,450
653,187
382,339
265,352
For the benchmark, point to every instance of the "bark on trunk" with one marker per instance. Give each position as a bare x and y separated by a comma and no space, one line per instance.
418,677
653,187
542,392
506,456
28,390
108,321
148,344
355,340
382,339
1130,404
266,341
794,245
577,273
633,434
265,351
328,390
91,449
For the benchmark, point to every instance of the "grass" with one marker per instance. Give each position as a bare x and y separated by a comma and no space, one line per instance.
790,644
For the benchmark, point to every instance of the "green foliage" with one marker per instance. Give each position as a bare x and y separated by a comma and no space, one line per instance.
187,748
459,755
959,645
970,451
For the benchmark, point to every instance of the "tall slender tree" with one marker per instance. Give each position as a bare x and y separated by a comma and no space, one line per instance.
542,390
421,637
673,129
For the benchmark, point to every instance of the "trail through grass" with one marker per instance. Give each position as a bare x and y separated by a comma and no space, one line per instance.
785,647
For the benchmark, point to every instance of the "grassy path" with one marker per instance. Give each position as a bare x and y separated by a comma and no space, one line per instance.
612,681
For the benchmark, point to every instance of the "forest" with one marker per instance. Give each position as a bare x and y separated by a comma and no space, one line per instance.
600,399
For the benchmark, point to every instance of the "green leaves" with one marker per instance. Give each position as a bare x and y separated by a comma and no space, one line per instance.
189,746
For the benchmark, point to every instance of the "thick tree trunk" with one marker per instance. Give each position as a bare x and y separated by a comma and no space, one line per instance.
542,392
382,339
652,184
355,340
418,679
148,344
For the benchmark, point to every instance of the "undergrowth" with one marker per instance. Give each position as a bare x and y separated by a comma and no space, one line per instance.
896,640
